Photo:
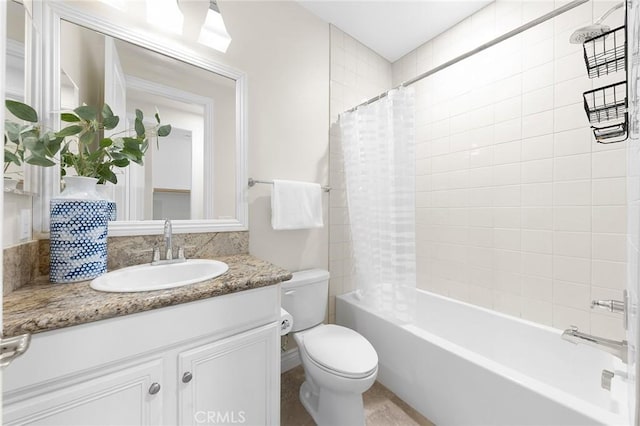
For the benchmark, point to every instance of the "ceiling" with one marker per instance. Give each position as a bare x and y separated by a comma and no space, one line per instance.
393,28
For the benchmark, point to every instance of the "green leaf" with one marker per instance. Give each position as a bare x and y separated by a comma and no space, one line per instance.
69,131
108,175
140,130
10,157
139,115
106,142
106,111
34,145
133,146
87,138
39,161
69,118
118,142
122,162
133,155
52,144
86,112
110,123
164,130
22,111
95,155
12,131
157,117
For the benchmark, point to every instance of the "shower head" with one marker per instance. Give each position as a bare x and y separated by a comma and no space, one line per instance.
597,28
583,34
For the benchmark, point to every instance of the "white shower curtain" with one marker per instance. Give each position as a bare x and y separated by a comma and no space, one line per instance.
378,142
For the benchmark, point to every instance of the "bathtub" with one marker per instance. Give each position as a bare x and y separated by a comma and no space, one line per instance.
459,364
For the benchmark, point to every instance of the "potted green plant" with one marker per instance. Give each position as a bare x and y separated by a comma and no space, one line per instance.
79,215
26,142
81,144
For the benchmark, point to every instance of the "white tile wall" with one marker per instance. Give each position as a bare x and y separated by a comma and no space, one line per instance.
506,141
517,208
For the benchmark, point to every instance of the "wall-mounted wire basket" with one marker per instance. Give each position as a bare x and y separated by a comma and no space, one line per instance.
606,53
613,133
606,103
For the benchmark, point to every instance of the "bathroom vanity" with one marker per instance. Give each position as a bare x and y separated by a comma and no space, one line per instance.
209,354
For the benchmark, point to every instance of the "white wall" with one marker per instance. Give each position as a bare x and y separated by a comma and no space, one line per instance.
82,59
285,52
518,209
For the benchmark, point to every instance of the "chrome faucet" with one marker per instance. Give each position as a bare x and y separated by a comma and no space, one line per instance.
614,347
168,234
168,248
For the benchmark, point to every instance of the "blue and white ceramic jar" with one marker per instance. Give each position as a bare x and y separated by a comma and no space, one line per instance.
106,192
78,242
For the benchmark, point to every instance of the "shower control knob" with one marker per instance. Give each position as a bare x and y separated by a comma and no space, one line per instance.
154,388
186,377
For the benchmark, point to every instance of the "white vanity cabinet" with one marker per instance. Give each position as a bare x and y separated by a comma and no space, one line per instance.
119,397
213,390
214,361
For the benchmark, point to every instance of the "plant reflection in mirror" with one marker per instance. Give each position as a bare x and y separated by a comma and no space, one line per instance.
81,144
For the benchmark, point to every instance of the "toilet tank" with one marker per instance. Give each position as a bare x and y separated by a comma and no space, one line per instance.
305,297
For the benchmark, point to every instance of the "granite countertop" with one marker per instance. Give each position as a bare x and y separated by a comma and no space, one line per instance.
42,306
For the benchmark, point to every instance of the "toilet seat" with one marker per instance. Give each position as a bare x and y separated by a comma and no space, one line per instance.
341,351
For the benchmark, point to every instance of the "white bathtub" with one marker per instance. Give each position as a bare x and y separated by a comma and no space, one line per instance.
459,364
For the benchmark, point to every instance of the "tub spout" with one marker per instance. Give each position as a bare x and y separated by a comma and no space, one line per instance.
614,347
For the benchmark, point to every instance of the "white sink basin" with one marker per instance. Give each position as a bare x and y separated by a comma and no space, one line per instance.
159,277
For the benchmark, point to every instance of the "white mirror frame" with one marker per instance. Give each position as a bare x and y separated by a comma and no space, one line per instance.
52,13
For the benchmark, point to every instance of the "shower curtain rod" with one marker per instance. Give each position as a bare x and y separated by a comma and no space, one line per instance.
478,49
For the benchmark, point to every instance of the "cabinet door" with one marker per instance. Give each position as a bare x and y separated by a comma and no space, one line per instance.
232,381
121,397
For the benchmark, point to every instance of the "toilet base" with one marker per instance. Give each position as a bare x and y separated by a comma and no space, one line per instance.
330,408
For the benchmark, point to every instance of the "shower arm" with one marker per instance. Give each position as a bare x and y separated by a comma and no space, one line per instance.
609,12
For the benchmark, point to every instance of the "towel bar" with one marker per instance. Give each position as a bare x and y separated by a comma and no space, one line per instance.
253,181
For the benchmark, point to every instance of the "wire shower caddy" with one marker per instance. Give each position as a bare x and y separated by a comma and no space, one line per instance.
606,53
606,107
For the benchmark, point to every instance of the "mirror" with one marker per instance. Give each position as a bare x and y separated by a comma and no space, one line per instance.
197,175
15,79
181,178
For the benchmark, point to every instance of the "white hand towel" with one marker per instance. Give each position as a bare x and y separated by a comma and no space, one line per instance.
296,205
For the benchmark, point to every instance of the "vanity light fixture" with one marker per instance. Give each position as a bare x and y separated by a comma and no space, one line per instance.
214,33
165,14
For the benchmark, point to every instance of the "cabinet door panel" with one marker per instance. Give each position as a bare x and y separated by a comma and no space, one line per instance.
235,380
117,398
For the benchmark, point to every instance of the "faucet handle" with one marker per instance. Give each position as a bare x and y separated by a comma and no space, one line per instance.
617,306
181,253
609,305
156,255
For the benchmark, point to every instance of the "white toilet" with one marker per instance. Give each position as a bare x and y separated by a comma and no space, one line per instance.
339,364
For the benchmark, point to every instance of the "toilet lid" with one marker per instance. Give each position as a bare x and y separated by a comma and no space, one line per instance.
341,350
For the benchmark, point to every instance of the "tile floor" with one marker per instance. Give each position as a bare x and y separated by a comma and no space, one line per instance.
382,407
